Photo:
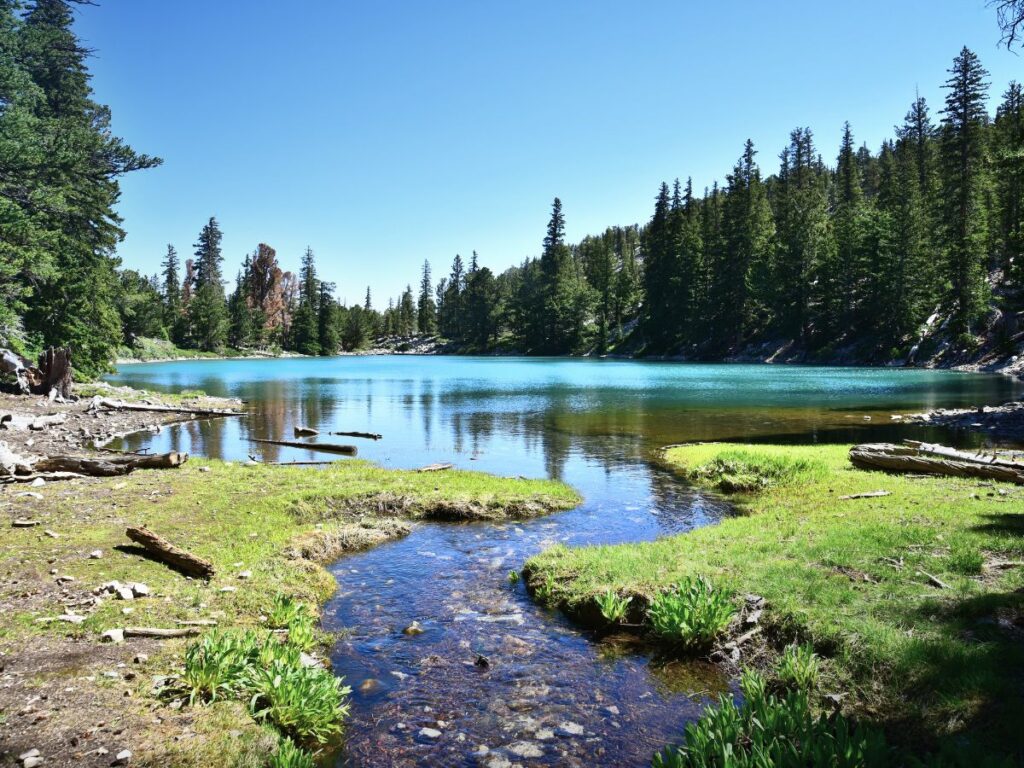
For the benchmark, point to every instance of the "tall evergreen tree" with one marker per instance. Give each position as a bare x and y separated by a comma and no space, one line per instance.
964,186
426,310
1009,163
207,309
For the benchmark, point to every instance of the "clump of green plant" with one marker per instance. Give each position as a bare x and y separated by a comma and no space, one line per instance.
285,610
965,558
692,615
302,632
306,702
290,756
613,607
770,730
545,591
799,667
216,665
734,471
513,577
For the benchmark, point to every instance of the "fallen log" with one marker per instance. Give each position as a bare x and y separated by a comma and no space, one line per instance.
160,632
902,458
167,553
108,466
120,405
350,450
367,435
306,431
435,467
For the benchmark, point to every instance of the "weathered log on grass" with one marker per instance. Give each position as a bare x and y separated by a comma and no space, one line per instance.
349,450
435,468
909,458
367,435
169,554
108,466
160,632
120,405
40,423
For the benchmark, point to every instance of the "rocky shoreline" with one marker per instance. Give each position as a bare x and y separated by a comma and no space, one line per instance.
1000,422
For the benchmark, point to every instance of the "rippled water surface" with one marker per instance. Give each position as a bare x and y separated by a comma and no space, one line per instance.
550,694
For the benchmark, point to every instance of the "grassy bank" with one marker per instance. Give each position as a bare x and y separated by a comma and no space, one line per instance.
265,529
936,666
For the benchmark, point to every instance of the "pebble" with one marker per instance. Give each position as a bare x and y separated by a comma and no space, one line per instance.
140,658
112,636
37,483
229,589
498,761
31,762
413,629
96,554
525,749
430,733
123,757
569,729
612,710
245,575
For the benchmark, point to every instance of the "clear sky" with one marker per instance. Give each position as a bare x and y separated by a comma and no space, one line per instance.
385,133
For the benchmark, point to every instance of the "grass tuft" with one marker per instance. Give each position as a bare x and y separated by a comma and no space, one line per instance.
692,615
739,470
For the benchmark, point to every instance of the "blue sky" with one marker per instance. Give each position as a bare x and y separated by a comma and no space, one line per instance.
384,133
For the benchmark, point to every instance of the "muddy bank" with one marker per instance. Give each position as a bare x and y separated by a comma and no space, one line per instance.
82,428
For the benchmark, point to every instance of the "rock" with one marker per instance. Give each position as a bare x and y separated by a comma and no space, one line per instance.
27,755
497,761
125,593
482,661
140,658
138,589
544,734
229,589
37,483
30,495
245,574
525,749
429,733
123,757
413,629
112,636
569,729
612,710
51,534
96,554
369,684
23,523
31,762
308,661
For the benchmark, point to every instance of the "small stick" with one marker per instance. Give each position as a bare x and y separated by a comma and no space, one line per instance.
868,495
159,632
325,447
435,467
935,581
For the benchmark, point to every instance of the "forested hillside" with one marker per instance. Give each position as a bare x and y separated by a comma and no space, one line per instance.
859,254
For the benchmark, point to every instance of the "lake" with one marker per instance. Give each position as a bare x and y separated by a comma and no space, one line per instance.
571,698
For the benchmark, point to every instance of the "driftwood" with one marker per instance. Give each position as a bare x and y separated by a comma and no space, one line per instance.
367,435
167,553
120,405
43,422
306,431
160,632
935,581
435,467
935,460
323,447
108,466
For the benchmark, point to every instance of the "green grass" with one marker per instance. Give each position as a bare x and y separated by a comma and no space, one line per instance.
934,666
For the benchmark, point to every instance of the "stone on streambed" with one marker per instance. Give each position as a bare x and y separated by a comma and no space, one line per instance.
413,629
569,729
525,749
429,733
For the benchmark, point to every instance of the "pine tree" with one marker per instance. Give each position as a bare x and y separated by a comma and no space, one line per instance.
207,309
305,327
328,337
73,189
426,310
964,186
1009,162
659,327
843,282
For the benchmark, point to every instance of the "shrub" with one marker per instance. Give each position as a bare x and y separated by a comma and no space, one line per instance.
290,756
799,667
772,731
546,590
285,610
513,577
613,607
735,471
692,615
305,702
216,665
301,632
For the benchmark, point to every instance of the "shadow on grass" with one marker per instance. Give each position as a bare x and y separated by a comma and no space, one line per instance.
966,688
1010,523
